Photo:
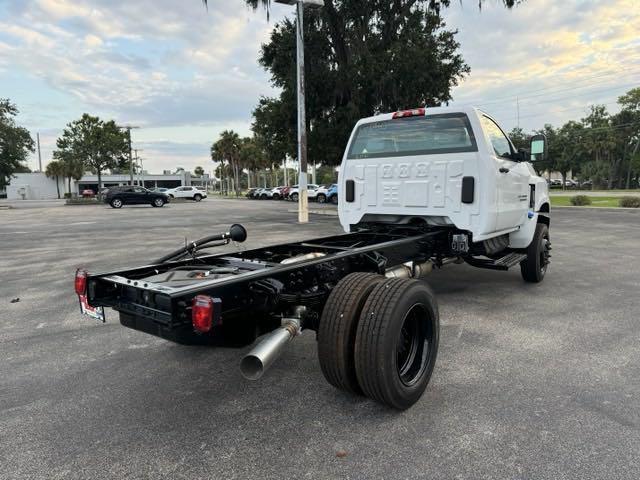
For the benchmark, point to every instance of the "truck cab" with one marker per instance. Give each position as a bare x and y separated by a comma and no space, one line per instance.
442,166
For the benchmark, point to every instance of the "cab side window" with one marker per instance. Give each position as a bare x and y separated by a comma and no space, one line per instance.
499,140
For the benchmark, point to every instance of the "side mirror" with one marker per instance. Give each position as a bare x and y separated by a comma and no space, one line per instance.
538,148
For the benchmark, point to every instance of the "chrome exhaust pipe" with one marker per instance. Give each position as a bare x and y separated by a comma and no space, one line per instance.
258,360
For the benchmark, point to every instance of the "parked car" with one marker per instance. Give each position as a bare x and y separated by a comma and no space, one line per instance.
568,183
87,192
250,192
322,192
311,192
130,195
189,192
160,190
276,193
556,182
332,194
265,194
586,184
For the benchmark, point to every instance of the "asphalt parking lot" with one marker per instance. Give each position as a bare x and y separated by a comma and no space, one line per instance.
532,381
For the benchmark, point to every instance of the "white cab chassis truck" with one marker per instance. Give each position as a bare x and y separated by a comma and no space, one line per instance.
445,167
419,189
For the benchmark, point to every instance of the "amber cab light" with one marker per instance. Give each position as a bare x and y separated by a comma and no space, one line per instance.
81,282
416,112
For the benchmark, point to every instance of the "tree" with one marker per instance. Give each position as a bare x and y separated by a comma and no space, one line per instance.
55,170
519,138
252,156
360,61
199,171
630,103
97,144
227,148
15,143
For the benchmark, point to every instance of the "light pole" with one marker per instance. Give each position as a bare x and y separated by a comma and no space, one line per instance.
303,198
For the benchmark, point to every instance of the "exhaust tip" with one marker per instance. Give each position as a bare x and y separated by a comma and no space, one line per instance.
251,367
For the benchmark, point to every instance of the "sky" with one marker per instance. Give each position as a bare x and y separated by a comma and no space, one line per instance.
183,73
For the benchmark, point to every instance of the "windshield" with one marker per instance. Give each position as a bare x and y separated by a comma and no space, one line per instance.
445,133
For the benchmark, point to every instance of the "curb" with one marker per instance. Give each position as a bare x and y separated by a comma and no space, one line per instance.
594,208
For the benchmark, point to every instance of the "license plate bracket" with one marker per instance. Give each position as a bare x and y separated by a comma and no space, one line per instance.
93,312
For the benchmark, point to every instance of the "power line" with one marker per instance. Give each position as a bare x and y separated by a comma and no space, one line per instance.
555,90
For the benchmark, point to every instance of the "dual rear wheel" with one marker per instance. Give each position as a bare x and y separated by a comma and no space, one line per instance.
379,337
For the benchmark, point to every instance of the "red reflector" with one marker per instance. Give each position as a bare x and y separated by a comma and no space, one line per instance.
409,113
202,313
81,282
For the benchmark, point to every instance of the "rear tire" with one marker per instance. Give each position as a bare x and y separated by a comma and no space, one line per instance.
116,203
334,199
397,342
534,268
338,326
294,197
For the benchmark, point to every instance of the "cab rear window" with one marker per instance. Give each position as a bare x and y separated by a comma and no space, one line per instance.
419,135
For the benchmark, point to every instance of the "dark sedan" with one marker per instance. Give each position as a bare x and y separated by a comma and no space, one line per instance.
132,195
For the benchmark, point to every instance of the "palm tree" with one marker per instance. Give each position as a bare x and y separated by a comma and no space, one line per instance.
227,148
55,169
71,169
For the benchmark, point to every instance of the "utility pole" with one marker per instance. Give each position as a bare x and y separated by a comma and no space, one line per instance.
140,175
39,155
128,129
303,198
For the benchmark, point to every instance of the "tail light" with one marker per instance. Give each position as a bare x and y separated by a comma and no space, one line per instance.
416,112
81,282
204,313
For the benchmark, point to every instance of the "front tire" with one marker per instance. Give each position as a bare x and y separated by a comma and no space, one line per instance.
397,342
338,327
158,202
294,197
116,203
197,197
321,198
535,266
334,199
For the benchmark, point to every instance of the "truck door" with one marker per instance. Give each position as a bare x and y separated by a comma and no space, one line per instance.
512,194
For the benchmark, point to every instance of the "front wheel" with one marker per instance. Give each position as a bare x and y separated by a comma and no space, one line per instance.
334,199
116,203
197,197
158,202
321,198
535,266
294,197
397,342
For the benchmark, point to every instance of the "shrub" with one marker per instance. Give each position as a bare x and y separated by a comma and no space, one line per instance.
67,195
580,200
629,202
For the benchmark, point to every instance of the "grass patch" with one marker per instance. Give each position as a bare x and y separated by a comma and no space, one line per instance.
565,201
